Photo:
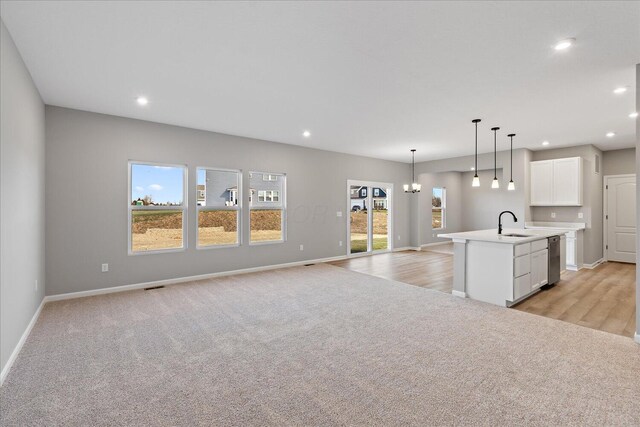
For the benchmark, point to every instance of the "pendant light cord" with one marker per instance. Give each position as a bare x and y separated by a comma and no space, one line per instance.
476,169
413,166
511,158
495,152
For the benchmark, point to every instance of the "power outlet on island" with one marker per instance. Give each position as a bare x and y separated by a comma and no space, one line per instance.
553,214
580,215
105,268
302,247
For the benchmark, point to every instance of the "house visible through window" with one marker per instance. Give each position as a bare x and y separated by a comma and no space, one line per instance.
219,212
157,207
438,208
267,211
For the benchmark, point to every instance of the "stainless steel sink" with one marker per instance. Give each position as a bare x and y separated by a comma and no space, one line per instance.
517,235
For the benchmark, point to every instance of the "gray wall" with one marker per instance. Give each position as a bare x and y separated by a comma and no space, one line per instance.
479,207
592,199
451,181
87,153
637,202
619,162
21,197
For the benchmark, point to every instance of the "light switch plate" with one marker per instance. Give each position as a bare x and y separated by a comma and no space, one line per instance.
339,214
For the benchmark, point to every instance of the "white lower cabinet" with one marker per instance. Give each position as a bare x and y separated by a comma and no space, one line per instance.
530,268
539,269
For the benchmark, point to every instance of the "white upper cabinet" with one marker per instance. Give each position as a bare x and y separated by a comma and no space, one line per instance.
542,183
556,182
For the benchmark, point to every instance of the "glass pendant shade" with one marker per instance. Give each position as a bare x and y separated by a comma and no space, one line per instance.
511,186
495,183
415,187
476,181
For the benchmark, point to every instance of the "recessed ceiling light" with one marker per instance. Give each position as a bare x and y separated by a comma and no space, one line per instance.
621,89
141,100
611,134
545,143
564,44
306,134
633,115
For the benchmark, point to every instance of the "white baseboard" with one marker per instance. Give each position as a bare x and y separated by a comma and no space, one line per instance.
572,268
593,265
458,294
636,337
426,245
167,282
7,367
406,248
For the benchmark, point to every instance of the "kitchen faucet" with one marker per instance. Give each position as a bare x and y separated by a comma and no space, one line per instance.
500,220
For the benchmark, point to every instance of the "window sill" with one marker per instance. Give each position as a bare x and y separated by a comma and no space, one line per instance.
204,248
266,242
158,251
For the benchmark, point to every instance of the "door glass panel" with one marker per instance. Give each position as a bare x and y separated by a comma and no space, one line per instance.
358,218
380,222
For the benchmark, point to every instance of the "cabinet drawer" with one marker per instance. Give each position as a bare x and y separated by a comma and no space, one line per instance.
539,245
523,249
521,265
521,286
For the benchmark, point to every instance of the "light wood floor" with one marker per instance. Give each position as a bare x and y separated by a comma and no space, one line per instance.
427,269
602,298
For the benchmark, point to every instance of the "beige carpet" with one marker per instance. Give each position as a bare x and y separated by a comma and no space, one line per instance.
316,345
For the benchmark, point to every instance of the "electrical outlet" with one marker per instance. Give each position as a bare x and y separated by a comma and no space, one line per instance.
105,268
580,215
302,247
339,214
340,243
553,214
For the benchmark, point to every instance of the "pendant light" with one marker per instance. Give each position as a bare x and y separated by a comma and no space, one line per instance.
415,187
495,183
511,185
476,180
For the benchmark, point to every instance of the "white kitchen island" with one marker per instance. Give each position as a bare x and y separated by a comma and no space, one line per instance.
500,269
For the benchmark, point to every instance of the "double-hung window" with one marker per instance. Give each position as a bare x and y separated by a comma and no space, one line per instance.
157,207
438,208
219,214
267,211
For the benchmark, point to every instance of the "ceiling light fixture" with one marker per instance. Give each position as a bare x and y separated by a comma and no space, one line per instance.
415,187
141,100
545,143
611,134
476,180
633,115
495,183
564,44
619,90
511,185
306,134
472,168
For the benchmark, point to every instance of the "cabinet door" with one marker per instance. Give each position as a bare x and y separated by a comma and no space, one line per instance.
539,269
567,181
571,252
542,183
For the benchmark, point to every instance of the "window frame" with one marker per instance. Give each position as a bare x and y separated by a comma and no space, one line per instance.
237,208
282,207
442,208
184,208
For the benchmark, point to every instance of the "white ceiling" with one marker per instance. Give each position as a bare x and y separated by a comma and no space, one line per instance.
372,79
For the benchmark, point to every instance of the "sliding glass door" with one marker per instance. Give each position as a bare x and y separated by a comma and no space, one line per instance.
369,217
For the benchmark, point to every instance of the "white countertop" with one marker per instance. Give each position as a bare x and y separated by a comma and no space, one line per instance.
571,226
493,236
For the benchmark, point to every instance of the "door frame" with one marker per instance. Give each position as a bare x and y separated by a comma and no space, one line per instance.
605,206
390,213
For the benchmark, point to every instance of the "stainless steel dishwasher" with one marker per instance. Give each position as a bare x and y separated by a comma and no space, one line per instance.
554,260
